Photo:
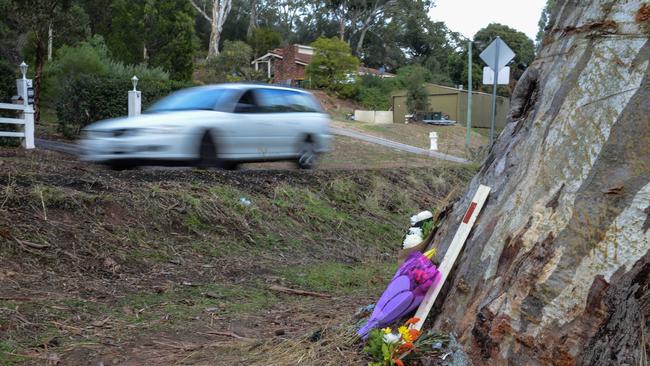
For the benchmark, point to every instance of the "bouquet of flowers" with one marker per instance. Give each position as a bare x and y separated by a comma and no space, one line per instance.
389,346
404,292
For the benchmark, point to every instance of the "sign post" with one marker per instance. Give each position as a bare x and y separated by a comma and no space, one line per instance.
469,95
496,56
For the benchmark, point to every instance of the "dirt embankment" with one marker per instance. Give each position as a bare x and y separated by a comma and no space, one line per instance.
161,267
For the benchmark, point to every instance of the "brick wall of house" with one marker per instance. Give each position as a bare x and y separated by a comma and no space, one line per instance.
287,68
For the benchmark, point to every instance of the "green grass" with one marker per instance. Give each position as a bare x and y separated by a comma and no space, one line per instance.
341,279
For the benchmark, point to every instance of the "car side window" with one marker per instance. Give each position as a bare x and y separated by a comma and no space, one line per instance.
283,101
301,102
247,103
271,100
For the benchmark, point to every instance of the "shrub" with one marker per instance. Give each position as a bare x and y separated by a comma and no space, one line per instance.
85,99
8,75
374,99
332,64
232,64
91,58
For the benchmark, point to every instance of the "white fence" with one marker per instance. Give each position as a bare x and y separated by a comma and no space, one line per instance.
26,120
378,117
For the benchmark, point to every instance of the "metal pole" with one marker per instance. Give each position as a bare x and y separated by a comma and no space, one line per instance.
469,94
494,92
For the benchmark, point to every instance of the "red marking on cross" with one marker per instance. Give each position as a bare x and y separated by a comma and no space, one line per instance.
469,213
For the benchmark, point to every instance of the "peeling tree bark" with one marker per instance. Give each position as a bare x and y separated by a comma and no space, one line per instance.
220,11
556,271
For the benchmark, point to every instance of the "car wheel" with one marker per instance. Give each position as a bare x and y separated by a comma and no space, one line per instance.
307,155
207,153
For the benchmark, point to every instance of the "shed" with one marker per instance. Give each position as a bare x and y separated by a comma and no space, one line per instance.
453,101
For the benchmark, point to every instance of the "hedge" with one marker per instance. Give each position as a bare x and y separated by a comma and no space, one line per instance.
85,99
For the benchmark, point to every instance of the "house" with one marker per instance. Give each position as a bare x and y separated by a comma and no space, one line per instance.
453,102
287,65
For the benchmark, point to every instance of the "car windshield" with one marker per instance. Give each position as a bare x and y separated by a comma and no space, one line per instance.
190,99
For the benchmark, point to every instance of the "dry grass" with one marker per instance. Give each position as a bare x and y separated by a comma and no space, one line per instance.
333,345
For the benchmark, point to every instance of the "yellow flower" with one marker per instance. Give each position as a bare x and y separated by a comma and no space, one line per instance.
386,330
406,335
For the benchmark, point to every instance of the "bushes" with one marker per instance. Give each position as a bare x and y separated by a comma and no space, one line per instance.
232,64
8,75
85,99
87,85
332,66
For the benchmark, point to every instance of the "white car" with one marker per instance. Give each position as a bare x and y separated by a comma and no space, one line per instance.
214,126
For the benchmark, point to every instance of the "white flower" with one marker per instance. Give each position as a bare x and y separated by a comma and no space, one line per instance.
415,231
411,240
391,338
424,215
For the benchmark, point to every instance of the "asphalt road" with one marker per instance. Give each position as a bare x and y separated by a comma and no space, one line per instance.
73,149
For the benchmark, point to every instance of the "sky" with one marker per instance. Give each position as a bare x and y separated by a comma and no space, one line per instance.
468,16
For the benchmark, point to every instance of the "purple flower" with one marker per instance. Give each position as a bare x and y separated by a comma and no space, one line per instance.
404,292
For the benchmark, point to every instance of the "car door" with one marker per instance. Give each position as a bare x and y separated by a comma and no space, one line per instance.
247,135
278,121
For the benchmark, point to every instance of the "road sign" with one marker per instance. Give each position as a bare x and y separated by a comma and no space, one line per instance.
488,76
497,54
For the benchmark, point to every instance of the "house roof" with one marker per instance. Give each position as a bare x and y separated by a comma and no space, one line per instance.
370,71
304,59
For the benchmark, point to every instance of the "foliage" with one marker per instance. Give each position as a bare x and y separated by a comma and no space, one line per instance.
160,33
332,64
407,75
87,98
91,58
374,99
170,38
232,64
263,39
417,100
522,46
403,347
388,348
8,75
375,92
544,20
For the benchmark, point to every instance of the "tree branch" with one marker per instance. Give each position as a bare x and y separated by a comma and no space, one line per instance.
201,11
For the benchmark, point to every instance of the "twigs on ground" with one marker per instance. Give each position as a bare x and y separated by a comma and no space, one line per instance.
228,334
291,291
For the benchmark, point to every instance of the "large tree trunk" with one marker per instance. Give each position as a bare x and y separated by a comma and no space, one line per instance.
557,269
220,11
252,20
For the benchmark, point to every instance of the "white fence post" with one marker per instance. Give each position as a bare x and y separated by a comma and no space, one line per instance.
135,99
434,140
28,116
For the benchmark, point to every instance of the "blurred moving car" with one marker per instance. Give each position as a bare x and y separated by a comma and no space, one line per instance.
214,126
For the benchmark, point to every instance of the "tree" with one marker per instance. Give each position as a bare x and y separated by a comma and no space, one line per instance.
263,39
543,21
332,63
413,79
170,38
521,45
232,64
220,10
556,270
36,16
